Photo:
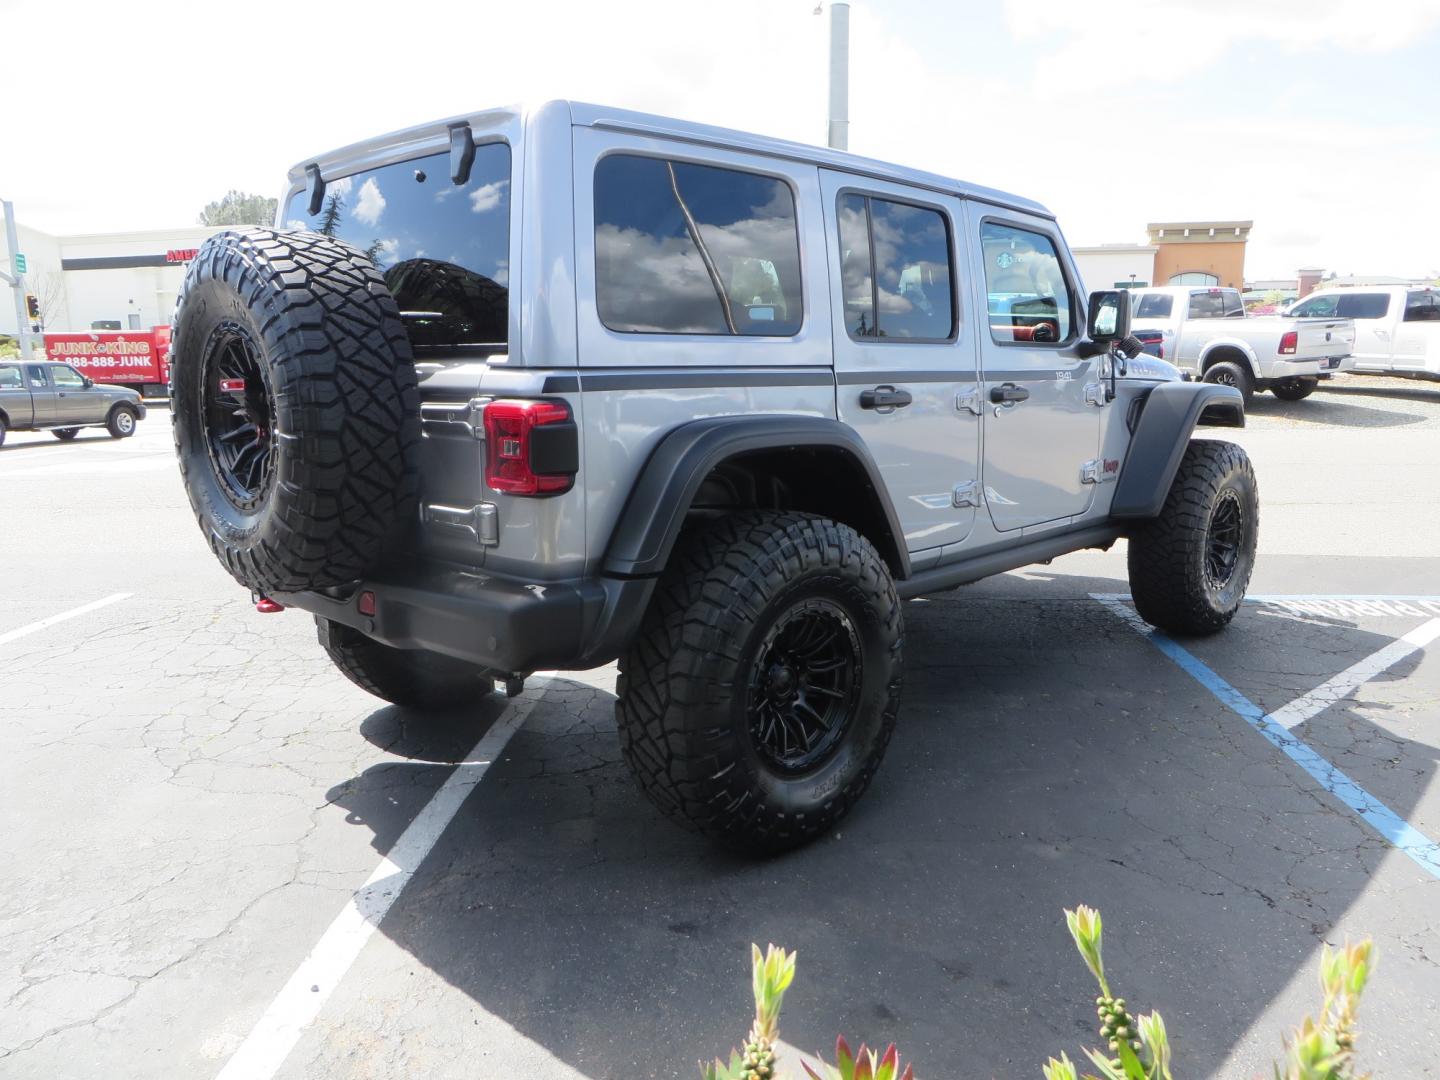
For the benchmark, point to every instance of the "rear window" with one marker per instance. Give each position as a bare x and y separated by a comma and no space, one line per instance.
1155,306
1216,304
1363,305
682,248
443,248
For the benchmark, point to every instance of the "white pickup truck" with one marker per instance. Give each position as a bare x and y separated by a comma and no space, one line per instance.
1206,332
1397,328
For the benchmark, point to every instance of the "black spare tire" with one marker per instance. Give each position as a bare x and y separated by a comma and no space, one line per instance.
294,407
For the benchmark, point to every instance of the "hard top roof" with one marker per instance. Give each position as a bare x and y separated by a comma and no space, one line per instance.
422,138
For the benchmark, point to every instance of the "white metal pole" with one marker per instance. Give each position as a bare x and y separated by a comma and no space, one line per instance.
839,134
17,284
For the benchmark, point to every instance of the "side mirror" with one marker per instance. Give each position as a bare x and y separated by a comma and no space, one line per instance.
1109,316
89,382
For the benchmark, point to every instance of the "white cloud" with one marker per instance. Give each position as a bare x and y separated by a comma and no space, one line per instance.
502,272
340,187
296,225
370,204
488,196
387,251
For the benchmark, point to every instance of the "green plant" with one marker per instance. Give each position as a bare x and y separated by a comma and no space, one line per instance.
771,975
1138,1046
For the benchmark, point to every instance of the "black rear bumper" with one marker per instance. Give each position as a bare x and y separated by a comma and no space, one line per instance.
502,623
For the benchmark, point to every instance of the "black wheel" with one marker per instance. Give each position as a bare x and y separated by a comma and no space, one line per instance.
1294,389
1231,373
120,423
414,678
759,697
65,434
1189,568
3,428
294,408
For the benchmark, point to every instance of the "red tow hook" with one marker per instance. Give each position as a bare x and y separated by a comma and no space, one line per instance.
266,606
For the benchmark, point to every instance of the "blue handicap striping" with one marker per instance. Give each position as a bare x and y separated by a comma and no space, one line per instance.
1390,825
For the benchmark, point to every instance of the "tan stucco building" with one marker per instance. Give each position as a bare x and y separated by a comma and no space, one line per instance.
1212,251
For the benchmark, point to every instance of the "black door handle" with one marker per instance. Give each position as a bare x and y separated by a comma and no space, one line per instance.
1008,394
884,397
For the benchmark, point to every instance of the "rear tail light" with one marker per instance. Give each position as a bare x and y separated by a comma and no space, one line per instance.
531,447
1288,342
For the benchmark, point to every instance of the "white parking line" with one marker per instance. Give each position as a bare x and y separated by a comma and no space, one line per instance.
73,613
1352,678
300,1000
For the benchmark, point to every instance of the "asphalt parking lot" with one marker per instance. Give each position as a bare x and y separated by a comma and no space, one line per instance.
195,799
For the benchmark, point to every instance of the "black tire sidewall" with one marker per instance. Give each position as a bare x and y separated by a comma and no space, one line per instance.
1244,382
1241,481
807,793
210,303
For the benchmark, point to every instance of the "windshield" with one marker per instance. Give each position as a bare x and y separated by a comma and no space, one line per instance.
443,248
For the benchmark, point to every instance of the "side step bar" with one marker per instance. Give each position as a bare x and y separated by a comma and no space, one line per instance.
976,567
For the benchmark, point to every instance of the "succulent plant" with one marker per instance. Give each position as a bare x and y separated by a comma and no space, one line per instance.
771,975
866,1064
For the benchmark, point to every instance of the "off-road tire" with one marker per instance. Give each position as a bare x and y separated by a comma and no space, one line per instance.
1231,373
121,422
413,678
1172,585
684,687
326,336
1297,388
65,434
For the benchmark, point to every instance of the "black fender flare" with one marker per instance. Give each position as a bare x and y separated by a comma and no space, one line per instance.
1168,416
654,514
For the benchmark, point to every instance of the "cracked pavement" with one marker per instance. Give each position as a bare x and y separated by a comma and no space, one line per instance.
192,794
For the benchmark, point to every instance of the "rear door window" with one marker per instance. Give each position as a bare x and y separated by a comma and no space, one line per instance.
1363,305
443,248
895,265
1155,306
685,248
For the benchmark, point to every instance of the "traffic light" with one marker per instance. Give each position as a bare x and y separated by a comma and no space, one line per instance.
32,305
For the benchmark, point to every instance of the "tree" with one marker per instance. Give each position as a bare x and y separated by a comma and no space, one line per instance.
238,208
49,292
330,216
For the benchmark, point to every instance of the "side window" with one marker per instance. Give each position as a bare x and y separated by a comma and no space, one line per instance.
1155,306
1422,307
1317,307
1028,298
895,269
694,249
67,378
1234,307
37,376
1363,306
10,378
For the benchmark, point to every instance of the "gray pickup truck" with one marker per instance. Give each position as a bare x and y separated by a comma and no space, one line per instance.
56,398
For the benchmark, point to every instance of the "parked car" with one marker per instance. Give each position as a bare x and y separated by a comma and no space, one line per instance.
1397,328
45,396
706,402
1206,332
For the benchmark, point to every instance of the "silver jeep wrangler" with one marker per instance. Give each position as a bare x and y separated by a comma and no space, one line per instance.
542,388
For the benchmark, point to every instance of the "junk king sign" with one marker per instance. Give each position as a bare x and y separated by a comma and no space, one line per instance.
136,358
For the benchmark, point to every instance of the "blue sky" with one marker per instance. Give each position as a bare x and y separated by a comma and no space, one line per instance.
1318,120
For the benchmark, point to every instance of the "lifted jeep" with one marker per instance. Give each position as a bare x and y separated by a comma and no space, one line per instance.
533,389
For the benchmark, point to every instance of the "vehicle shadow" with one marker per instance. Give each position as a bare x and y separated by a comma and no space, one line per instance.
1427,390
1324,411
1046,755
